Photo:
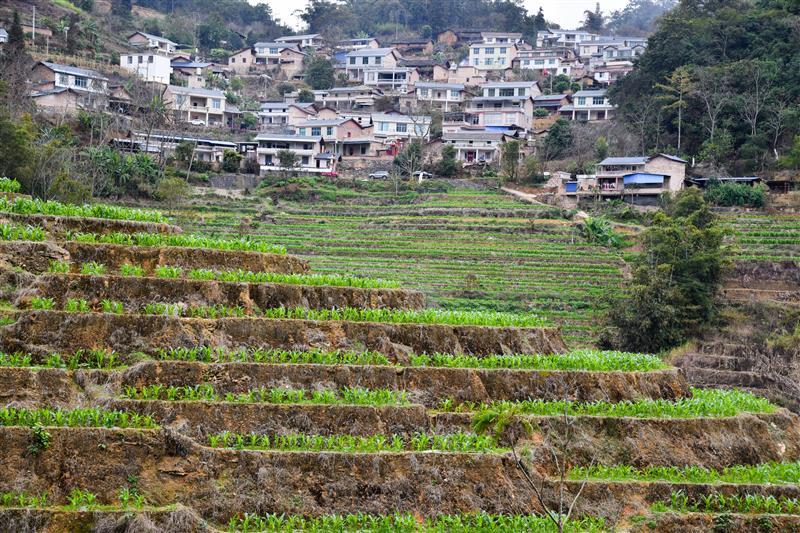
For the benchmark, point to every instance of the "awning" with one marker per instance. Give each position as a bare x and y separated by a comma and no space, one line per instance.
641,178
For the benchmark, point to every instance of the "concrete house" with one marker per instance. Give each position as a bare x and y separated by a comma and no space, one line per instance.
355,97
342,136
3,35
63,100
193,104
476,147
588,105
569,38
497,51
312,40
392,126
46,75
358,61
242,61
141,39
545,61
193,73
311,151
444,96
413,46
504,104
349,45
150,67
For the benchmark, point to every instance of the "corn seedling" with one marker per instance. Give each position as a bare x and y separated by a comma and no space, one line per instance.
207,354
15,359
179,240
76,306
716,502
38,302
169,272
17,232
81,499
93,268
9,185
767,473
112,306
126,269
59,267
26,206
10,416
21,499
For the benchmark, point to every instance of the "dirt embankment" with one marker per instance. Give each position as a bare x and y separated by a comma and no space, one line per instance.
41,332
58,226
135,293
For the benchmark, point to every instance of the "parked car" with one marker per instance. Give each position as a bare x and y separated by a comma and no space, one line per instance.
422,175
379,175
197,122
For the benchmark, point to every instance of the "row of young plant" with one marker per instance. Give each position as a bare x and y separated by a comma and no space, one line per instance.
237,276
397,316
409,523
88,417
587,360
717,502
77,499
21,232
419,442
35,206
180,240
766,473
280,395
703,403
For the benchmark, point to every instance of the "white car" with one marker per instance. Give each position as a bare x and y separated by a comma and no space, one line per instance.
379,175
197,122
422,175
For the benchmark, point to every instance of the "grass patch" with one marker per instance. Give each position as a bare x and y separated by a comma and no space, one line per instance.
767,473
409,523
10,416
420,442
345,396
713,403
179,240
35,206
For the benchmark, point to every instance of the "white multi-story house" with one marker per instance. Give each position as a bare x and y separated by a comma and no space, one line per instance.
141,39
569,38
588,105
476,147
193,104
444,96
500,38
46,75
399,126
312,156
312,40
358,61
492,55
349,45
356,97
595,47
391,79
273,114
546,62
148,67
504,104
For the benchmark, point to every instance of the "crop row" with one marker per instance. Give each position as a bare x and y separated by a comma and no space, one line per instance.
11,416
77,499
703,403
767,473
80,359
180,240
27,206
409,523
345,396
419,442
734,503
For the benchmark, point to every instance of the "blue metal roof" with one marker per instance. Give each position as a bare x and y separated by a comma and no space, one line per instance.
642,178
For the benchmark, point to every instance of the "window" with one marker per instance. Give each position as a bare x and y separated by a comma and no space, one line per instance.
80,82
304,160
598,100
522,91
526,62
423,92
501,61
552,61
216,103
378,60
476,61
352,60
301,132
502,50
315,131
476,51
383,126
365,60
149,59
454,93
490,92
419,130
488,61
506,92
401,128
489,51
139,60
180,99
130,60
539,62
273,50
581,100
329,131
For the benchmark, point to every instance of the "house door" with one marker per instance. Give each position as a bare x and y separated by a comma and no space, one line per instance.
470,157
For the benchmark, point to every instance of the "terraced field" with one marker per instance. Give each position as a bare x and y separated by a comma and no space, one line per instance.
766,237
202,384
464,249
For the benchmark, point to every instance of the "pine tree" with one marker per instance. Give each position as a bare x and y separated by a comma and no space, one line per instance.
16,37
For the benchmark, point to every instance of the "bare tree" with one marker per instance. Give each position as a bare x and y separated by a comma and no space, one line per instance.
778,120
640,116
759,77
712,87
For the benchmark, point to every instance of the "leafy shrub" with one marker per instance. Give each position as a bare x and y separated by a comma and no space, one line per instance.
735,194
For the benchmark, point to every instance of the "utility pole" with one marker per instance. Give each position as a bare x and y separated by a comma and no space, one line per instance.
33,25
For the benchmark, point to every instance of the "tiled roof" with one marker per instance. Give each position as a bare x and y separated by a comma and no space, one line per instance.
75,71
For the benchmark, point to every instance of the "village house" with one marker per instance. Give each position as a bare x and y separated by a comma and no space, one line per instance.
476,147
453,37
276,56
3,35
413,47
463,73
588,105
313,157
342,136
242,61
568,38
358,61
638,180
206,150
444,96
273,114
192,73
199,106
391,79
394,129
547,62
349,45
46,75
551,103
150,67
67,101
354,97
425,67
313,40
497,51
141,39
595,47
504,104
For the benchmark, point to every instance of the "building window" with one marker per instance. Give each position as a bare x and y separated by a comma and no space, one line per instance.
489,51
80,82
506,92
581,100
488,61
301,132
598,100
364,60
383,126
329,131
423,92
273,50
454,93
378,60
490,92
315,132
130,60
502,50
401,128
216,103
526,62
476,51
304,161
419,130
149,59
476,61
539,62
352,60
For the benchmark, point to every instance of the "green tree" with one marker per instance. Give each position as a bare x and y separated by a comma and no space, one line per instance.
231,160
509,159
16,146
677,87
172,191
288,160
448,166
600,148
532,169
557,140
791,160
319,74
594,21
184,151
675,282
16,36
305,96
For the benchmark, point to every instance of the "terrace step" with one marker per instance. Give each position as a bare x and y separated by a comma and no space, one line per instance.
761,295
173,519
136,292
704,522
424,385
35,257
718,362
42,332
58,226
702,376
